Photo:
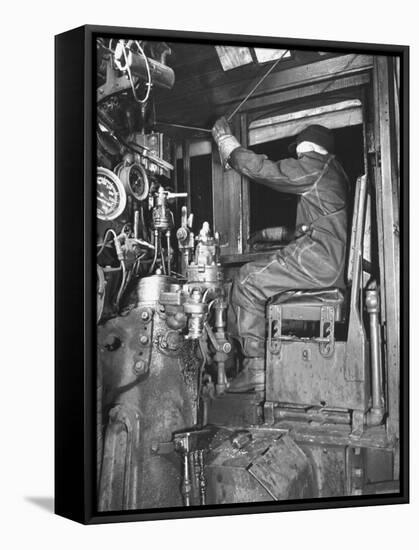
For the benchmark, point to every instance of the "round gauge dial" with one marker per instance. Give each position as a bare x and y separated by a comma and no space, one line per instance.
111,197
135,180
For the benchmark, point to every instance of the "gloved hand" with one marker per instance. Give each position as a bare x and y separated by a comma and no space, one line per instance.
221,128
256,237
271,234
224,139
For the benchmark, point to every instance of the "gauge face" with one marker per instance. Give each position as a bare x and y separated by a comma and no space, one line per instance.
111,197
138,182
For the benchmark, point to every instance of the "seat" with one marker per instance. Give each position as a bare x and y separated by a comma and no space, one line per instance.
324,305
306,366
305,305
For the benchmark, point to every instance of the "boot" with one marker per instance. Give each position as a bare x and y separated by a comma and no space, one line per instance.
251,378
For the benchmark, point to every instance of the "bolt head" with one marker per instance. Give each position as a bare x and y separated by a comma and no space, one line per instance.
227,347
139,367
144,315
144,340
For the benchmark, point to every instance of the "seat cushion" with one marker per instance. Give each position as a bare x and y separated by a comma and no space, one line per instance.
307,304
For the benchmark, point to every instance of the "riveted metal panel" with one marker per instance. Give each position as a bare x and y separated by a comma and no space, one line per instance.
300,374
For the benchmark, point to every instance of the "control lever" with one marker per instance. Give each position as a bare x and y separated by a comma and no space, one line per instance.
162,222
185,239
175,195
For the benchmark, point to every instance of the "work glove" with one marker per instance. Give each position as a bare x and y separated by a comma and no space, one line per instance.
224,139
256,237
271,234
221,128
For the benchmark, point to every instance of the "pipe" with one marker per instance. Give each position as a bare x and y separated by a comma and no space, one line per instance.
376,413
256,86
202,480
184,126
123,281
136,223
144,67
156,248
163,266
186,481
169,253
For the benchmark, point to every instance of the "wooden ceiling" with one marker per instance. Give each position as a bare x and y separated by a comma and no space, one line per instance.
203,91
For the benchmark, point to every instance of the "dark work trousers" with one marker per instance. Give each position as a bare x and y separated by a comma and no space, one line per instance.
258,281
314,261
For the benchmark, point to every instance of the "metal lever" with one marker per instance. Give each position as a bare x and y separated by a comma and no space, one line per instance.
184,126
256,86
175,195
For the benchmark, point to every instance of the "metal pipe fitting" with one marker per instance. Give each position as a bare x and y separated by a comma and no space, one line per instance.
376,413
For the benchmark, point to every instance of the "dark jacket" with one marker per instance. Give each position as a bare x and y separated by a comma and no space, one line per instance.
322,186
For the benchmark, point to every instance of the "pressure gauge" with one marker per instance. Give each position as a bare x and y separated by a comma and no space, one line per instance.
111,196
135,180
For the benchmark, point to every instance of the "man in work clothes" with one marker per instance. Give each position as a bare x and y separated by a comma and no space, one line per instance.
314,259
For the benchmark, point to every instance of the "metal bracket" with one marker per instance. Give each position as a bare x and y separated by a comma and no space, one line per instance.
113,84
355,471
141,363
274,329
170,343
327,331
268,413
358,421
326,338
127,418
162,447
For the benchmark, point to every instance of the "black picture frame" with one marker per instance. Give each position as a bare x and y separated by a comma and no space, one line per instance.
75,278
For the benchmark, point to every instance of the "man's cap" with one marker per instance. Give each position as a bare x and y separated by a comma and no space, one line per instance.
316,134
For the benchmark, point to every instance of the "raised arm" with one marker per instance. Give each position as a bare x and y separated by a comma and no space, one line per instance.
288,175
